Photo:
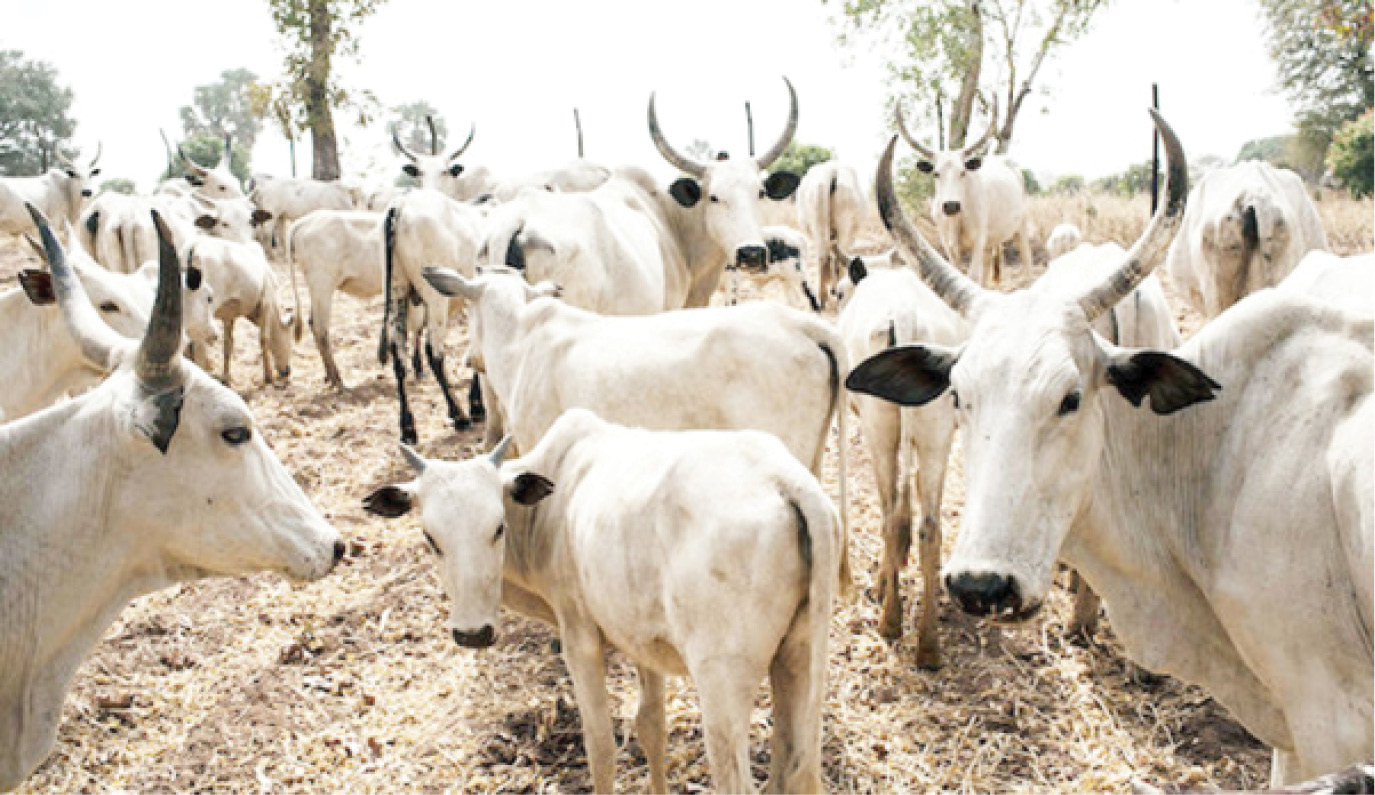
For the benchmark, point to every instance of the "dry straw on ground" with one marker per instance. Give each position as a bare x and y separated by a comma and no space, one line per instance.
352,684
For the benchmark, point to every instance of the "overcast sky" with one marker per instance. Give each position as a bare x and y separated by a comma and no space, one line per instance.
517,69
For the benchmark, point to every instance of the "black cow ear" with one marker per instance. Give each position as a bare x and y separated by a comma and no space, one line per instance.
410,170
529,488
857,270
193,278
259,217
974,163
455,170
38,286
389,501
686,191
781,184
1171,382
910,375
93,222
925,166
205,221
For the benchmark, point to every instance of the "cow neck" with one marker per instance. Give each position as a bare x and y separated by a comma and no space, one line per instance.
507,319
37,377
702,257
64,575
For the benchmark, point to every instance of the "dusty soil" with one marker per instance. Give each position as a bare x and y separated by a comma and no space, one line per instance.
352,683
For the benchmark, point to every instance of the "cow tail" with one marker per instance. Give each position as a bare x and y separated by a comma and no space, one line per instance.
389,249
831,345
297,320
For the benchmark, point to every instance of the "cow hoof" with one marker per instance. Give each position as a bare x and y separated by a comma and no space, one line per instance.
461,423
928,655
890,630
408,435
477,413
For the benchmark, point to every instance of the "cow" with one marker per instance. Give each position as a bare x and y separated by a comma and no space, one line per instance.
830,211
216,182
786,263
1348,282
1063,239
59,194
245,285
155,477
710,554
979,202
425,227
117,229
760,366
1230,535
1247,226
444,173
280,201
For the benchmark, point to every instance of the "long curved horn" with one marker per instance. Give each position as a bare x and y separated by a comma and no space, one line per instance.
157,365
168,147
992,128
434,136
907,136
396,141
498,453
62,158
99,146
679,161
1146,254
196,168
472,130
416,460
781,145
956,289
98,342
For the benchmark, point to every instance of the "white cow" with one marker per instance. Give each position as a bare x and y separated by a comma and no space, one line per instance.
710,554
1063,239
1231,536
1348,282
444,173
59,194
216,182
830,211
280,201
979,203
245,285
118,229
786,263
155,477
1247,226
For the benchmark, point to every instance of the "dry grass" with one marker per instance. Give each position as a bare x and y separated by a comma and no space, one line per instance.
352,684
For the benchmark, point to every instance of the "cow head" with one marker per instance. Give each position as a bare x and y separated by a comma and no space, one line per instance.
229,219
728,193
216,182
201,492
435,171
76,180
497,293
465,507
952,170
1244,239
1031,385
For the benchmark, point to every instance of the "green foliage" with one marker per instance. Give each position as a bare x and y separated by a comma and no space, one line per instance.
1301,153
913,186
1352,156
1321,50
206,150
1067,185
118,185
1136,179
1030,183
411,127
224,107
1268,149
799,158
34,118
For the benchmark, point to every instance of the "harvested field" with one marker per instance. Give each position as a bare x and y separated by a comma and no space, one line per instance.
353,684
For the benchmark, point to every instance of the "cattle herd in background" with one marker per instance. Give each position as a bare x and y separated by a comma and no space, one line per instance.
653,476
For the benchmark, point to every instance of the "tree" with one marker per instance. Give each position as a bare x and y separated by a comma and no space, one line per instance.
1136,179
224,107
1352,156
1300,153
412,126
942,44
799,158
315,32
117,185
1067,185
33,114
207,150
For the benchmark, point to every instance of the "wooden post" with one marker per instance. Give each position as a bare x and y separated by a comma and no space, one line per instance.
577,122
749,124
940,122
1155,151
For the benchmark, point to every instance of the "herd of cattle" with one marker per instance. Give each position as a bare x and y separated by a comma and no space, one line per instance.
652,481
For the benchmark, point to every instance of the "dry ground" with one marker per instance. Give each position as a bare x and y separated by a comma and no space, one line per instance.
352,683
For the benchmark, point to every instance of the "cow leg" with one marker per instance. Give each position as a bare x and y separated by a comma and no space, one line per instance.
881,436
321,304
651,727
726,688
268,364
228,348
477,410
398,367
932,438
456,415
582,652
1085,620
797,676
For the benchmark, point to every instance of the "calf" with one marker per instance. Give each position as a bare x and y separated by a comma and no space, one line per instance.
710,554
246,286
830,210
787,255
59,194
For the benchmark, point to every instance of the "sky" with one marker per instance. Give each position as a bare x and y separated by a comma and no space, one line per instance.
517,68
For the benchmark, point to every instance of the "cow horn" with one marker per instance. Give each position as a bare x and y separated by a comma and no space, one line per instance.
396,141
781,145
1147,252
434,136
99,146
956,289
157,363
472,130
498,453
196,168
992,128
907,136
168,147
416,460
98,341
682,162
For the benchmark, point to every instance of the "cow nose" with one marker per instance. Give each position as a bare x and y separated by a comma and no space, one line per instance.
339,551
86,193
985,593
751,256
476,640
951,208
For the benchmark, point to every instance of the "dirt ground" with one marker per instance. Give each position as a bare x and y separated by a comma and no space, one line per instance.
353,684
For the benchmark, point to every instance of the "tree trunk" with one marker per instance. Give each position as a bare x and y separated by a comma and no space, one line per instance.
319,117
963,108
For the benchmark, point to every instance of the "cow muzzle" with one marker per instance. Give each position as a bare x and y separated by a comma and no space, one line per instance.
86,193
752,257
951,208
989,594
480,639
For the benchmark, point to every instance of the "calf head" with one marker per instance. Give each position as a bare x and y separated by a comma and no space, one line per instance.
216,182
435,171
76,180
1030,385
728,193
465,508
498,295
952,170
201,492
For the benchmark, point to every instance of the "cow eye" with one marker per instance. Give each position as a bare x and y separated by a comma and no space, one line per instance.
1070,404
956,396
501,531
109,306
237,435
433,545
713,198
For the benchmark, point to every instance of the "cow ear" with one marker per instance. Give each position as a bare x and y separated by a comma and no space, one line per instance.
410,171
455,170
259,217
686,191
925,166
38,286
93,222
391,501
1171,382
527,488
193,278
974,163
195,180
857,270
95,172
910,375
781,184
205,221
